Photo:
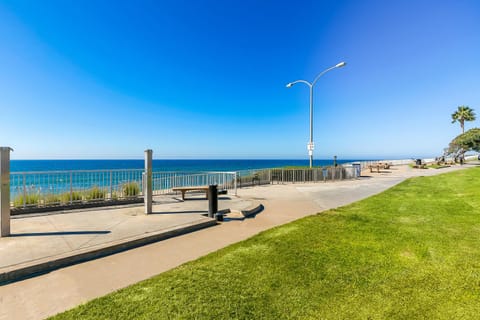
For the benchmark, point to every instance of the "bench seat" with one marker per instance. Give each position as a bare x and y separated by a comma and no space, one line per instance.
183,190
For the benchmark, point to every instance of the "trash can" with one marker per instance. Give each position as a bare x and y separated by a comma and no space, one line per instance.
418,162
357,168
212,200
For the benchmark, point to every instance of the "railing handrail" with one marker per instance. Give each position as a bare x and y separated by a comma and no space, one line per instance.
198,172
74,171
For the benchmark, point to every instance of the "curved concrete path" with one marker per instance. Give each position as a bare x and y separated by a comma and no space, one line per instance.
62,289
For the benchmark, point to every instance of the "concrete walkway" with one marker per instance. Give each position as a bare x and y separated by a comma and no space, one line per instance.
43,242
59,290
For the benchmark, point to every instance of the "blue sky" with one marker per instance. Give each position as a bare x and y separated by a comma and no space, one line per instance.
206,79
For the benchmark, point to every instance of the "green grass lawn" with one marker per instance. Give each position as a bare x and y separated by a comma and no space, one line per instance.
412,252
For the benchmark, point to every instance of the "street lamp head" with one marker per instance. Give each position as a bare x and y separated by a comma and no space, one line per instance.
341,64
289,85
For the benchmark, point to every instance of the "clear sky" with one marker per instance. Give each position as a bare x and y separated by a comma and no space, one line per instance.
206,79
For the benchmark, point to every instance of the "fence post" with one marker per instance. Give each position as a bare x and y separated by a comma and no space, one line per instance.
111,184
147,191
24,191
5,191
71,187
235,183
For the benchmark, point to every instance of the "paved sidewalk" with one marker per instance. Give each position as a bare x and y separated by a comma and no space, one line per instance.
43,242
59,290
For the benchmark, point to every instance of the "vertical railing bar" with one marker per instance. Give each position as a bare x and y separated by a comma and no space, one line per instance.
24,191
71,187
111,185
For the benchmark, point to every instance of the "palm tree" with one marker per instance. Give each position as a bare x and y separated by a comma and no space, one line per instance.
463,113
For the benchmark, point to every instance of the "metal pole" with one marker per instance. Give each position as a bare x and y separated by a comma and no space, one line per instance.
111,185
147,192
5,191
71,187
310,148
311,85
24,191
235,183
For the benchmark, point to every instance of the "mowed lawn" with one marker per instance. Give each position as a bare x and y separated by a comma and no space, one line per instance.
412,252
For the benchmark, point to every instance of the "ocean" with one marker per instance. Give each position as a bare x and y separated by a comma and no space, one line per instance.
162,165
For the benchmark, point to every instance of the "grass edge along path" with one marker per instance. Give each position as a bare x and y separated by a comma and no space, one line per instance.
411,252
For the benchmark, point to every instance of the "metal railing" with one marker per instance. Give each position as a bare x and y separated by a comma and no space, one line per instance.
366,164
164,182
54,188
47,189
292,175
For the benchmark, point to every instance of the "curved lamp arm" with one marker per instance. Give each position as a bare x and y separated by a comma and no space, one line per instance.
338,65
290,84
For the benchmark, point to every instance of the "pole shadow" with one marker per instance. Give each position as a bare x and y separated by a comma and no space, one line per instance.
181,212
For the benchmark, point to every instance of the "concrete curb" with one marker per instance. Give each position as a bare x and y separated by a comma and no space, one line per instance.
251,212
45,265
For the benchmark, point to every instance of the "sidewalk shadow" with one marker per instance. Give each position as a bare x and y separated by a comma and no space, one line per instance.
180,212
201,199
227,218
58,233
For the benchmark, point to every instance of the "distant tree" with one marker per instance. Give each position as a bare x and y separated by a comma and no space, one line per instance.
469,140
463,113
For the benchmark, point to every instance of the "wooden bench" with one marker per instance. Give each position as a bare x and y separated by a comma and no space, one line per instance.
379,166
183,190
386,165
422,166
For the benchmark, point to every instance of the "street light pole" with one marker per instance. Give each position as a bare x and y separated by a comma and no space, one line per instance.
310,145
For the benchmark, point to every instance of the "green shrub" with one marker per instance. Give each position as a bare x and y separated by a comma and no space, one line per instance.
131,189
76,196
95,194
30,200
50,199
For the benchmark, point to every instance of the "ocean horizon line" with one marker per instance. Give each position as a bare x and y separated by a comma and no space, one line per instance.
206,159
178,165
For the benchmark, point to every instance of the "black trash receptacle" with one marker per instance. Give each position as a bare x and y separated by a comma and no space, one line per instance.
212,200
418,162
